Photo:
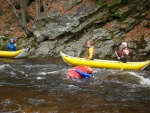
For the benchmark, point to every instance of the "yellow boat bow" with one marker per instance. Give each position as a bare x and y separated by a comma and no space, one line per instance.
14,54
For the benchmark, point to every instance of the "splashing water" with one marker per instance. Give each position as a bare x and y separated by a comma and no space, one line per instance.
143,81
34,87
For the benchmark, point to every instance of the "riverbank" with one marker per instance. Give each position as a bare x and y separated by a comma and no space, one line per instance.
69,26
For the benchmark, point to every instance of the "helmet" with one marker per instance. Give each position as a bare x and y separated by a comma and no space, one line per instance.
11,39
89,70
89,43
124,43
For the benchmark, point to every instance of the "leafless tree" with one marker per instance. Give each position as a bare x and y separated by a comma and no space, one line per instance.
24,11
18,18
38,6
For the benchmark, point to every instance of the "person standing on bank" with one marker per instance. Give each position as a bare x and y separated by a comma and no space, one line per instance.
90,51
124,53
11,45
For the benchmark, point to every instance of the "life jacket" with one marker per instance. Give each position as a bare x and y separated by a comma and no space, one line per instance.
121,52
91,52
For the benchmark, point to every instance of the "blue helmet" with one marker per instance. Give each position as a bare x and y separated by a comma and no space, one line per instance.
11,39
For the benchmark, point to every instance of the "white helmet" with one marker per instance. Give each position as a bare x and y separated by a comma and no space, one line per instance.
124,43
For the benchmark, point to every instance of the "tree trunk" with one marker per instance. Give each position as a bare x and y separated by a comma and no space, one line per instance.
24,11
37,9
18,18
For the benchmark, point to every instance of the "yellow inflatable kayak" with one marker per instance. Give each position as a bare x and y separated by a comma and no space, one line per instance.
104,63
14,54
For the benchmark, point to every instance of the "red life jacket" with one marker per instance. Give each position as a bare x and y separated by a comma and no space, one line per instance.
121,53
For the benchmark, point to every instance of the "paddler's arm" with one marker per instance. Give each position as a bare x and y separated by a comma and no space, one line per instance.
117,55
85,75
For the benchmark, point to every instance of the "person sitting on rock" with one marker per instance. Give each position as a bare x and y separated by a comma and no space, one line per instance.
11,45
124,53
87,74
90,51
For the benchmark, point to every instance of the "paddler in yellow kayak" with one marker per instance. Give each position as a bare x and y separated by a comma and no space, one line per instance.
11,46
90,51
124,53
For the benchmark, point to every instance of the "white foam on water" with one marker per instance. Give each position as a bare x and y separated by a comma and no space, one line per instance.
74,87
143,81
42,73
4,66
45,73
40,78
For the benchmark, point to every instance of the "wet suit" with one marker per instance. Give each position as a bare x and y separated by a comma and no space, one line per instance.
84,74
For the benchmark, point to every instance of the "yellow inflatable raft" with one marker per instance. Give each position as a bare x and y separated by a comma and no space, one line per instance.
14,54
104,63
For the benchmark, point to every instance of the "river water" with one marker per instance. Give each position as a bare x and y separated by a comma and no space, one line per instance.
40,85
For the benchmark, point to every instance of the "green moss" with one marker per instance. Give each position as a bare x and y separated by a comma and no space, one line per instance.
74,2
3,46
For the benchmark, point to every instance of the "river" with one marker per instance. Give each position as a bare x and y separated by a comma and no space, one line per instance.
40,85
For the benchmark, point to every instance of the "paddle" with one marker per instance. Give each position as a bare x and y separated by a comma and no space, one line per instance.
117,54
119,60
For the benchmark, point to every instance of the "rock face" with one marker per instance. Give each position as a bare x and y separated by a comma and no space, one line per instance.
68,32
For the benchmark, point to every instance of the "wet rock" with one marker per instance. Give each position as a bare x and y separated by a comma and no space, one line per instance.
123,12
113,3
132,44
61,25
129,23
75,48
104,49
147,48
100,34
45,48
39,36
71,3
147,39
69,32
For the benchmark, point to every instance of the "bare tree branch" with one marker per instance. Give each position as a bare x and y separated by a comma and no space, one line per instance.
44,5
18,18
38,9
48,5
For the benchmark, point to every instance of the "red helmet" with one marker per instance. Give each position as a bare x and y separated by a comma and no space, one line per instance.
89,43
89,70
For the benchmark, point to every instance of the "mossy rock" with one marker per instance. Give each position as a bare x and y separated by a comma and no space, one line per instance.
113,3
123,12
26,42
3,45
